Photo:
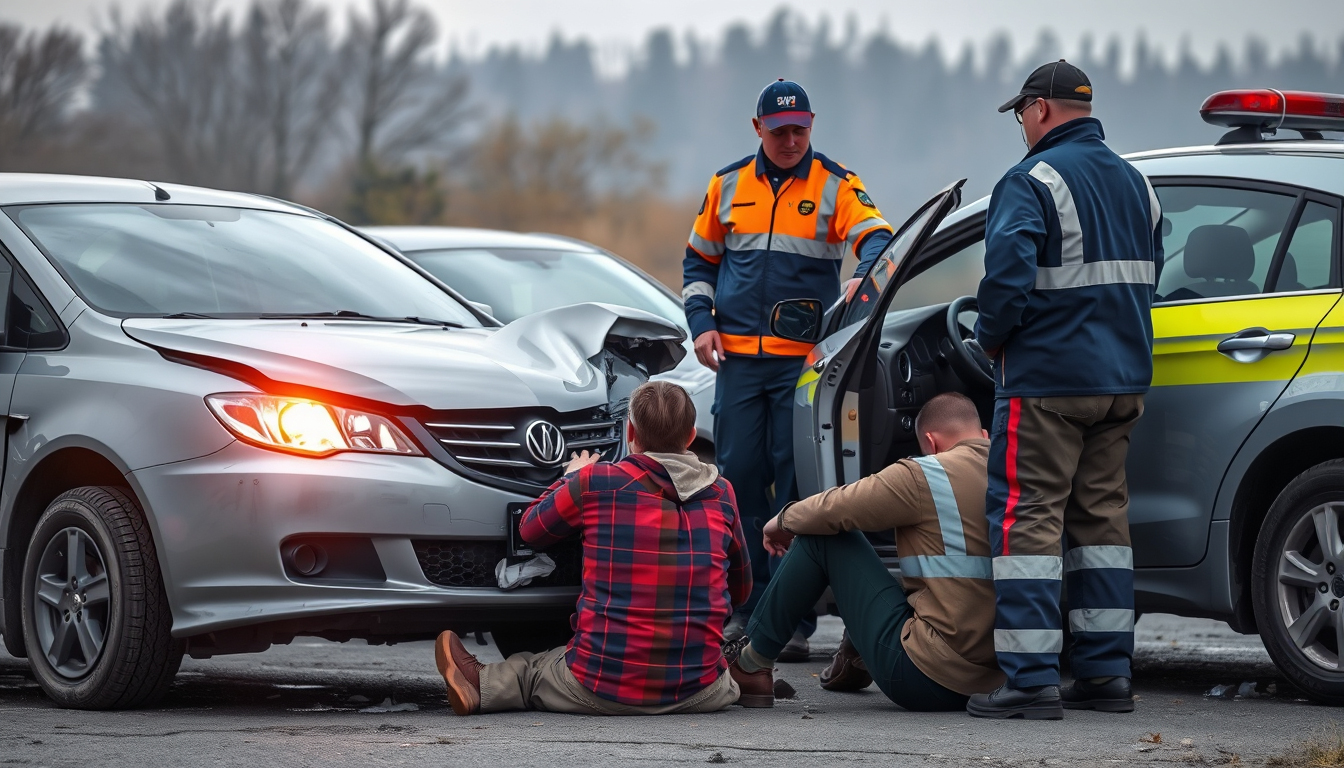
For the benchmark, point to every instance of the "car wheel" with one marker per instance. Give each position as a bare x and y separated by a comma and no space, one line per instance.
96,620
1297,582
536,637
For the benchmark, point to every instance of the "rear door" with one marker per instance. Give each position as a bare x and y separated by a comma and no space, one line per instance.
826,402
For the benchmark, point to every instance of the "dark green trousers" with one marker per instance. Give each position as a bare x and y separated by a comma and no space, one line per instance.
872,603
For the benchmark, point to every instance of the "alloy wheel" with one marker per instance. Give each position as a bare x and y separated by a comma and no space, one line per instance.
1310,587
72,598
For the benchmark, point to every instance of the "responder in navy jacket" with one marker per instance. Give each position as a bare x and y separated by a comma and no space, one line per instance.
773,226
1073,250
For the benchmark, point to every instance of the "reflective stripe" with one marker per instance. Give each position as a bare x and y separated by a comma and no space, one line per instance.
1070,228
945,502
740,345
826,209
1028,640
803,246
1094,273
863,226
946,567
699,288
727,188
1101,620
704,247
1028,567
773,345
1154,205
1079,558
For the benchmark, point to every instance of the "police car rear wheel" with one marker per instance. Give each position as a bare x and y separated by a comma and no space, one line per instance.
1297,582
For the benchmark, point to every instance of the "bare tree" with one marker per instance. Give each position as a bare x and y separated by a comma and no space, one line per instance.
39,74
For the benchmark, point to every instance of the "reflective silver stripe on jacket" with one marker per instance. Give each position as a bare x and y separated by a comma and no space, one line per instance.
803,246
706,247
1101,620
1078,558
1154,205
1028,640
1028,567
727,188
858,229
826,206
946,567
1094,273
698,288
1070,227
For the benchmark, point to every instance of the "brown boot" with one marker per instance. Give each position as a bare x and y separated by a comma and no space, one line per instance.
847,671
461,672
758,688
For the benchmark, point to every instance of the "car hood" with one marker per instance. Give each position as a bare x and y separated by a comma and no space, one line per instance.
551,358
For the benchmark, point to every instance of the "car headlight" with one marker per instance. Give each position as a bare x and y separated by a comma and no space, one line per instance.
307,427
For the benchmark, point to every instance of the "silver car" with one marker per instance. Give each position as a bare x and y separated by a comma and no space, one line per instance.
510,275
231,420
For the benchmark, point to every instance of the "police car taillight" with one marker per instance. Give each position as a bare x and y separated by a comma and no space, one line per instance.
1254,113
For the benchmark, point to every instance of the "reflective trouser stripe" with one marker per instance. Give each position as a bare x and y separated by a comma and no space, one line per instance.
1028,640
1101,620
1079,558
946,567
1028,567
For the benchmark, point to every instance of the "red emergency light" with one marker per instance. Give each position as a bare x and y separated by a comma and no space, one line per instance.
1254,113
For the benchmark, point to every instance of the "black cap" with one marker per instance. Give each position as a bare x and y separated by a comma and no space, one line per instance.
1056,80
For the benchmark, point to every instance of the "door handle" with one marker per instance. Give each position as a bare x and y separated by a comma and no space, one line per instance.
1254,344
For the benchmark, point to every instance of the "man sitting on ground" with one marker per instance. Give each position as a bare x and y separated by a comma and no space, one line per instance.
929,645
664,564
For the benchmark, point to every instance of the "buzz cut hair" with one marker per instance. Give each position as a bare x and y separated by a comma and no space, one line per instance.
949,412
663,415
1070,105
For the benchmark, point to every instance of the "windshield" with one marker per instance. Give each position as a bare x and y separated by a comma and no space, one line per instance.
520,281
866,298
157,260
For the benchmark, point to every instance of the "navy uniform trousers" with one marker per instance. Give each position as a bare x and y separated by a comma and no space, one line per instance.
1057,472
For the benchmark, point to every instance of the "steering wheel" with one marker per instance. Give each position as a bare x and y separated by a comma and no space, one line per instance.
967,359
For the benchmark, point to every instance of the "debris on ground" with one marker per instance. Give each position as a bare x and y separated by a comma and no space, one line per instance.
388,706
1221,692
1152,738
1323,749
783,690
717,757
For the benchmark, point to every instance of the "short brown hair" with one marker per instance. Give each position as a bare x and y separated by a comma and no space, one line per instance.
663,415
948,412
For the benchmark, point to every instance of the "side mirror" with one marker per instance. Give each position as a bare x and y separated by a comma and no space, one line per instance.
797,320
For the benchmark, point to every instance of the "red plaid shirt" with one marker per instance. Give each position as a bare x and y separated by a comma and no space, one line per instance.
660,577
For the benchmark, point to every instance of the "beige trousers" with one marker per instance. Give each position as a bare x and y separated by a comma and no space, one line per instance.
543,681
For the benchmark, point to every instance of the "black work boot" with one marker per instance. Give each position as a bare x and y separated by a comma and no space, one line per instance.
1040,703
1114,695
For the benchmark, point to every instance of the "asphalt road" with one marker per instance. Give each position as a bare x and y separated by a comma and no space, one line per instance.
323,704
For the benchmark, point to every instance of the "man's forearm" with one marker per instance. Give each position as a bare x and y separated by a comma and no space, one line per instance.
875,503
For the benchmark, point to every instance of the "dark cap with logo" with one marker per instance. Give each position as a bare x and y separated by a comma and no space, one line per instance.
784,102
1056,80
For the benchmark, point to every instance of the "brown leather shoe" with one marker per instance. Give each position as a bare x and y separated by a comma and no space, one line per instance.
757,688
847,671
461,672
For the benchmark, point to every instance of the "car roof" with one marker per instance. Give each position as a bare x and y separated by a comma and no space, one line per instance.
32,188
1310,164
434,238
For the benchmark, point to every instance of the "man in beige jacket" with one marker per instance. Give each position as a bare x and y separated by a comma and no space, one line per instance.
928,644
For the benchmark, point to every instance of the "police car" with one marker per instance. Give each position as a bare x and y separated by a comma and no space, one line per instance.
1236,471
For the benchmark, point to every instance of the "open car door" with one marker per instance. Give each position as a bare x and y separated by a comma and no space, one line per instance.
825,415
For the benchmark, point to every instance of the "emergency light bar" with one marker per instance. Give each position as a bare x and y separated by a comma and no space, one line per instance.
1254,113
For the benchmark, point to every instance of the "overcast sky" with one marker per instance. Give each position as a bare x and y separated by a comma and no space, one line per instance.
616,25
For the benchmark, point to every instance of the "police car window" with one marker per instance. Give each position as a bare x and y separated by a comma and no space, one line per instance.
952,277
1218,241
1309,263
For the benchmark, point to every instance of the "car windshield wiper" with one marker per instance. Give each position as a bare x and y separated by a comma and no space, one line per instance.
189,316
349,314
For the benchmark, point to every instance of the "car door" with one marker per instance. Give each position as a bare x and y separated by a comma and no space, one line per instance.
1232,324
826,418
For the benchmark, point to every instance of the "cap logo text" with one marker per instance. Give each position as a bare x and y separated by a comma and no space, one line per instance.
786,101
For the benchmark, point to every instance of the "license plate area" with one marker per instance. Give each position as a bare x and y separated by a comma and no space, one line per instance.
516,546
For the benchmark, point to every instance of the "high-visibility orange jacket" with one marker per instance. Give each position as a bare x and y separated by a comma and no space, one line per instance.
752,247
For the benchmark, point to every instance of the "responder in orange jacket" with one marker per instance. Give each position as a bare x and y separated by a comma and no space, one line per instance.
775,225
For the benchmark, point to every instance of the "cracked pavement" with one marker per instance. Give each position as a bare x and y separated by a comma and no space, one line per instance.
316,703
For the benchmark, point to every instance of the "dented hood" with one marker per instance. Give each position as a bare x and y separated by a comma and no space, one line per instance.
550,358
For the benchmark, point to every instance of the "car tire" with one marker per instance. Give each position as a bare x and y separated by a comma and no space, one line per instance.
98,632
1297,584
535,637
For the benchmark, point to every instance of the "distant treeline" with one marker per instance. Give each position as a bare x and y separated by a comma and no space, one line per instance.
376,125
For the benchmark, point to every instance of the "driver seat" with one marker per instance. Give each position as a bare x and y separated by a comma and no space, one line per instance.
1222,258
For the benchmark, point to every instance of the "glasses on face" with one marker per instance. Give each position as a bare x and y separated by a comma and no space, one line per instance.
1017,113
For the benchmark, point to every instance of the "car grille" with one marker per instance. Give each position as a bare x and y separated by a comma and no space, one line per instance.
464,563
495,443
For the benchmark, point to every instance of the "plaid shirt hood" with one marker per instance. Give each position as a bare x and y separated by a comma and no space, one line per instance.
686,474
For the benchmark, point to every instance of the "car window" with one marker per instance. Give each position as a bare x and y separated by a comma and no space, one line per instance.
520,281
1309,262
952,277
1218,241
885,268
30,324
156,260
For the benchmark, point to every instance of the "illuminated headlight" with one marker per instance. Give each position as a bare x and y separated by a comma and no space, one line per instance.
307,427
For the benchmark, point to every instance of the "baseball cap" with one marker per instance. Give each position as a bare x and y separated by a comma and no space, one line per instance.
1056,80
783,102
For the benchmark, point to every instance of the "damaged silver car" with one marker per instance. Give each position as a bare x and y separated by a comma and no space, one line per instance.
232,421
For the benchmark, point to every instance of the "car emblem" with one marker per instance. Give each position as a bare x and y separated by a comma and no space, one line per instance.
545,442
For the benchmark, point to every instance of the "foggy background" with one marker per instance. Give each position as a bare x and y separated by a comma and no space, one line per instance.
380,112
